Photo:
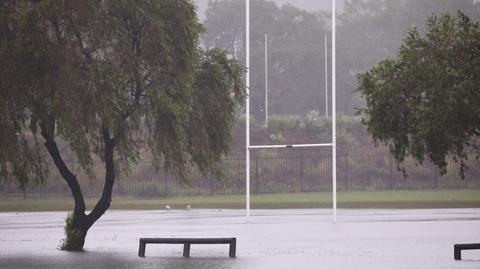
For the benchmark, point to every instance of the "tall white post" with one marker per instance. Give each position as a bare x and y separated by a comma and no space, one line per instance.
247,109
334,115
326,76
266,81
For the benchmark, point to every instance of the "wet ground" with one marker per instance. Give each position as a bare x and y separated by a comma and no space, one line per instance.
269,239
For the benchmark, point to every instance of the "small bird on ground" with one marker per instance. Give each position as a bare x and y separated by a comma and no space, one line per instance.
189,207
167,207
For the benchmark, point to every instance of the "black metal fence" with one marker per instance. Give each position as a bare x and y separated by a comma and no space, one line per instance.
271,174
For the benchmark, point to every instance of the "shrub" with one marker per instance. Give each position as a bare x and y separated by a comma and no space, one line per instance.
284,122
73,237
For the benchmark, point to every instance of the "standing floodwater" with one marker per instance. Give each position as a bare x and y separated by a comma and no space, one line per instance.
421,238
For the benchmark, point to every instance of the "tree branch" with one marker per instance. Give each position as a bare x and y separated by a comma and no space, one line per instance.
78,35
139,89
104,203
67,175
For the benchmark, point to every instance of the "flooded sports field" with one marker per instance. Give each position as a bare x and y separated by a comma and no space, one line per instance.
420,238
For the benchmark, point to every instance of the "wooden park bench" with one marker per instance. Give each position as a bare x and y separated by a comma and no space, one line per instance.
186,244
457,249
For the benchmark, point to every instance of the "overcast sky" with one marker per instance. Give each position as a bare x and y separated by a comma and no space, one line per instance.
310,5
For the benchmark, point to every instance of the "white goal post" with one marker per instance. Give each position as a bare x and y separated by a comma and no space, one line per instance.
333,144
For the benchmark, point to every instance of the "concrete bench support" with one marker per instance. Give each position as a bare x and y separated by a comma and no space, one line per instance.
187,242
457,249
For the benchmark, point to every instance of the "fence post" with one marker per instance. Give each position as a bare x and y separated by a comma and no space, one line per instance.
302,177
166,184
256,175
390,180
210,183
345,169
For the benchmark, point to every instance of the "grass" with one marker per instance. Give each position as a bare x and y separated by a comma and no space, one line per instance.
377,199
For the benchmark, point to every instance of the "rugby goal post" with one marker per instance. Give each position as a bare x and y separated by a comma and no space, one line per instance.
333,144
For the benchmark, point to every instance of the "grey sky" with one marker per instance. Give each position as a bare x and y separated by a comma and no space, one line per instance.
311,5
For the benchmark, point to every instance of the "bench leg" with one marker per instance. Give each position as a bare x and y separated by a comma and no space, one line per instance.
457,253
233,247
186,250
141,249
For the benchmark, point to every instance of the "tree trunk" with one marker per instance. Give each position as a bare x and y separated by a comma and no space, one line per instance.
104,203
78,223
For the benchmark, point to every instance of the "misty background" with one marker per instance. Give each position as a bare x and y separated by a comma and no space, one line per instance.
367,32
309,5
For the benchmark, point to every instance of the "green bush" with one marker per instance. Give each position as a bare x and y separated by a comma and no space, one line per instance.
313,120
284,122
73,237
348,122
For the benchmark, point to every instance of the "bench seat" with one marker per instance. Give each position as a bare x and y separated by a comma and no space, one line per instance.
187,242
457,249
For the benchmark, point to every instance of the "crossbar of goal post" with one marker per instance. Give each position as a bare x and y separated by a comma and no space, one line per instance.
290,146
333,144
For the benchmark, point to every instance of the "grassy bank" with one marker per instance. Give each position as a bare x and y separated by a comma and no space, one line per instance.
380,199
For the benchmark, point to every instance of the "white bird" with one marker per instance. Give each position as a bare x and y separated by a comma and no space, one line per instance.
167,207
189,207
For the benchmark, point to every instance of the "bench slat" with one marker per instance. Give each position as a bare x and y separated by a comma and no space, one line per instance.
187,242
468,246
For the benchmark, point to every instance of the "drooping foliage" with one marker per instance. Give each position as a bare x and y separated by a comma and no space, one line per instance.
372,30
114,80
75,67
425,102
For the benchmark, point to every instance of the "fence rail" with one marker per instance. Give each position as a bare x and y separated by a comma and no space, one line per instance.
277,174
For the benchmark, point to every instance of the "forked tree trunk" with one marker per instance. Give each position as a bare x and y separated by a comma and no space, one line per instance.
79,223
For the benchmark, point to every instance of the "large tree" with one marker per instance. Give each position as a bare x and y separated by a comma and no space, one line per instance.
425,102
372,30
110,78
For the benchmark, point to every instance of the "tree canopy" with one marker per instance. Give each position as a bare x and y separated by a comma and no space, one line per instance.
372,30
110,78
425,102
